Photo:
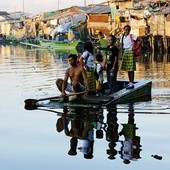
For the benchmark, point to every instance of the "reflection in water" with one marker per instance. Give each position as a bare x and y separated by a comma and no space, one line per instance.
81,123
111,130
38,69
131,147
88,124
31,73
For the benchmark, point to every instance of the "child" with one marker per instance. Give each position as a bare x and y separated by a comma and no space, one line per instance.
111,63
128,59
99,74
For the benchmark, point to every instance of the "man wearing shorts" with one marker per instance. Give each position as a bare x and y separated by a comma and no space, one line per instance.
78,78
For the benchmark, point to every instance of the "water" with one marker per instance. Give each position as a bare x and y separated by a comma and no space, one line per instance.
29,139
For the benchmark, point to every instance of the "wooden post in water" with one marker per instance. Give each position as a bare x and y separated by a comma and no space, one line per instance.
165,43
168,43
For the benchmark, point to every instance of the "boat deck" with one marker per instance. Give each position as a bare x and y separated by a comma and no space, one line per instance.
140,92
91,99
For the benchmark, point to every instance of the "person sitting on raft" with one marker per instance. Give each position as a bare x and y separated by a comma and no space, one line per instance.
78,78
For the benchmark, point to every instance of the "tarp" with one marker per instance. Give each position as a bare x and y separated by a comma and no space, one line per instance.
66,22
61,28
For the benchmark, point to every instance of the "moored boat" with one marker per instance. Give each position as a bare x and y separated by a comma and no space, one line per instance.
50,44
59,44
140,92
7,40
31,42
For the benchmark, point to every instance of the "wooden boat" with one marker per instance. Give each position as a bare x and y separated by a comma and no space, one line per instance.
4,40
50,44
140,92
56,52
59,44
7,42
31,42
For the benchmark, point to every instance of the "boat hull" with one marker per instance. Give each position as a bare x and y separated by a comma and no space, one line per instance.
58,44
49,44
140,92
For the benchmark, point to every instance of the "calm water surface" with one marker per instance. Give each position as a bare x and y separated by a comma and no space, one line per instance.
29,139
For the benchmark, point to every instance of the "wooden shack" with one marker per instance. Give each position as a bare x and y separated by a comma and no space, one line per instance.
99,19
167,30
5,22
148,19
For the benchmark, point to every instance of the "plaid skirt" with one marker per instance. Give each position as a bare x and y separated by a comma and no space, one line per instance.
128,61
91,80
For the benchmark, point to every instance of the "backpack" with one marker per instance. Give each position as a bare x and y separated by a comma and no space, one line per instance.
137,46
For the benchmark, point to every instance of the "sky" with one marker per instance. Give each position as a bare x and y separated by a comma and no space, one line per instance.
36,6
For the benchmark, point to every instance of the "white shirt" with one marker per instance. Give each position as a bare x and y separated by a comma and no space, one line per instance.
99,70
90,59
127,42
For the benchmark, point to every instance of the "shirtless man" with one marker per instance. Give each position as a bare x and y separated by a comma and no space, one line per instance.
77,75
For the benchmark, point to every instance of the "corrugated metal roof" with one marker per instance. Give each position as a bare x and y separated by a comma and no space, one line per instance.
74,18
154,1
83,8
18,15
121,0
4,13
5,16
99,9
64,12
61,15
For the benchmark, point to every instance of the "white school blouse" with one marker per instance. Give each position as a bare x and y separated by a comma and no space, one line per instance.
127,42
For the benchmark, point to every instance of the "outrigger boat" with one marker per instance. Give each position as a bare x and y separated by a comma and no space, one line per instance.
140,92
59,44
50,44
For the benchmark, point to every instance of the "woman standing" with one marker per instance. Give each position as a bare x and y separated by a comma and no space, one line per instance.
128,58
87,60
